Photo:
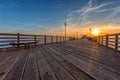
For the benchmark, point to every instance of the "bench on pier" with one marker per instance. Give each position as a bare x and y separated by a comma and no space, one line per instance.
26,44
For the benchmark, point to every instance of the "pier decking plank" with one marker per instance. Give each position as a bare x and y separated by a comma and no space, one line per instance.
17,69
73,70
60,72
73,60
94,68
6,66
31,68
44,68
6,55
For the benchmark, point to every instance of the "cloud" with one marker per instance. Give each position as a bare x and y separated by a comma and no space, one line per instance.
116,11
82,16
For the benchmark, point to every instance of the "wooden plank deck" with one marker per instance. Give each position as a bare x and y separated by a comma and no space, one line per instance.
73,60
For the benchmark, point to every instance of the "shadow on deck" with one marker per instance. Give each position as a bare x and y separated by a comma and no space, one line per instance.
73,60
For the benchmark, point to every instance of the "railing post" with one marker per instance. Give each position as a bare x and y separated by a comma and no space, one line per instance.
116,41
69,38
51,39
98,39
107,40
18,39
74,38
35,39
45,39
56,39
102,40
60,39
66,39
63,38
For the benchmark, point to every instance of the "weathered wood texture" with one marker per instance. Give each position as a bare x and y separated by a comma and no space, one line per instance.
110,40
73,60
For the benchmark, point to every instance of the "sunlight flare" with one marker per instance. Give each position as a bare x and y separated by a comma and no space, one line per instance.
96,32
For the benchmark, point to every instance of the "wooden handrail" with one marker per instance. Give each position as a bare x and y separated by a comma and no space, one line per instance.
107,39
18,38
8,34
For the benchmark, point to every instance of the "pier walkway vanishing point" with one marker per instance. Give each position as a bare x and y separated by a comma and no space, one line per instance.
71,60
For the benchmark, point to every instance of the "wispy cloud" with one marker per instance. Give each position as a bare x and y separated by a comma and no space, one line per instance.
116,10
83,15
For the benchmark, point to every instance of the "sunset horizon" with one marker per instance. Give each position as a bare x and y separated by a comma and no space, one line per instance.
59,40
48,17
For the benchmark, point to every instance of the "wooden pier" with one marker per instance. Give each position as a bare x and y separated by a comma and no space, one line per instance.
62,59
71,60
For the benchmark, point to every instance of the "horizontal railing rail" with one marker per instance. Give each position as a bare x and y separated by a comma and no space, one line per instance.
7,38
110,40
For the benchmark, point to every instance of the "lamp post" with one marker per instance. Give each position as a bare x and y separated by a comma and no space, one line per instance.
90,31
77,34
65,30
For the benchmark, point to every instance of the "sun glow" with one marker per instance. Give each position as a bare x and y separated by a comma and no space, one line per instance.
96,32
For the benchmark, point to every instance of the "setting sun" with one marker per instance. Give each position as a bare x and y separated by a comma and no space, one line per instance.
95,32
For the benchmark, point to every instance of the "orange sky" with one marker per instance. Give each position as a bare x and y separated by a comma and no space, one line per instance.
74,30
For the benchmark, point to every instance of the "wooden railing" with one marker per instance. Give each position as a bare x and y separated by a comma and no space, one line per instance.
6,39
110,40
